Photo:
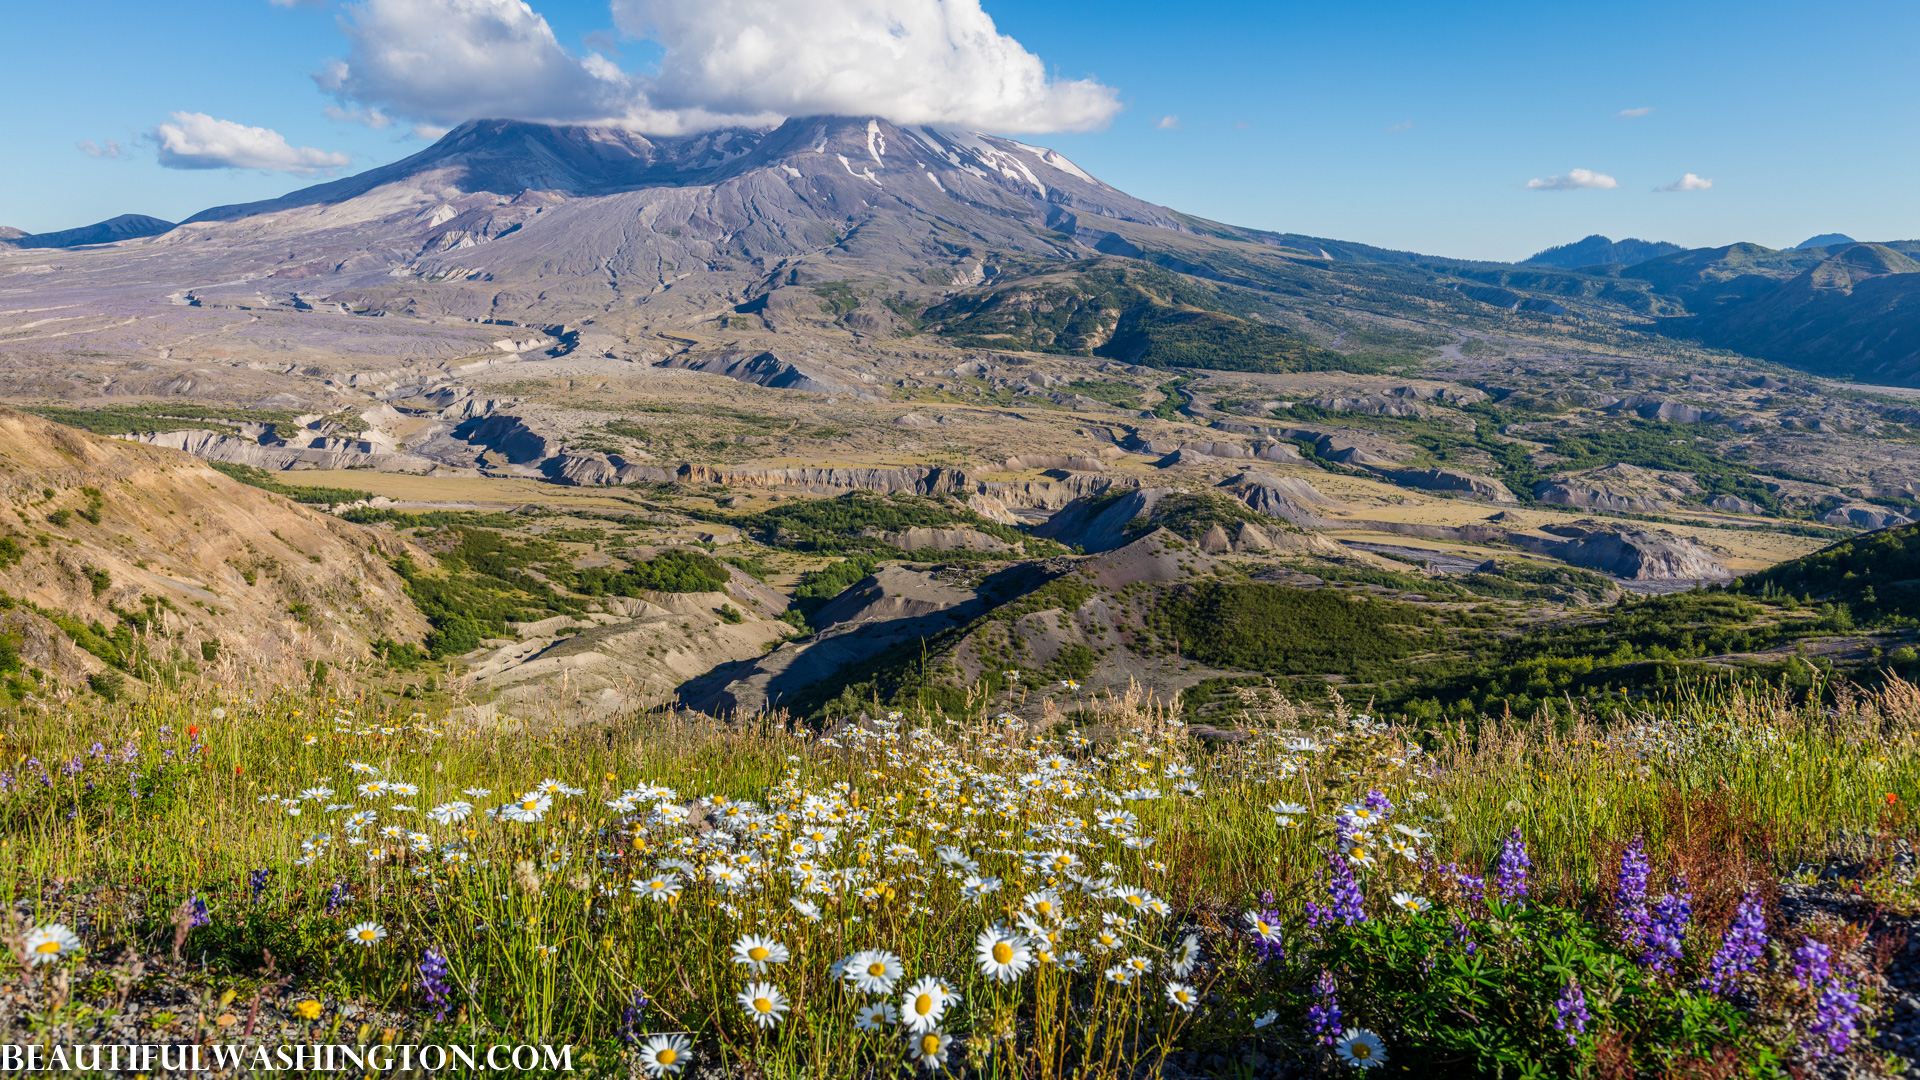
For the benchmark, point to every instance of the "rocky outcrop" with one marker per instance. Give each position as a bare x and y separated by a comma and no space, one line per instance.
1620,487
892,592
767,369
1284,497
943,540
1372,405
1629,554
1451,481
1099,524
1653,408
1069,462
1865,516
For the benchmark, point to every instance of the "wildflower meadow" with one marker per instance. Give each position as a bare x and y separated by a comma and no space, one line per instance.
1105,892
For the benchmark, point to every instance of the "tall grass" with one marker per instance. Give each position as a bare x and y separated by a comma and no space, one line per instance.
111,817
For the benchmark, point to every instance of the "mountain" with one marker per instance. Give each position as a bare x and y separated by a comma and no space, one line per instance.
1831,239
1854,314
1597,250
8,232
124,227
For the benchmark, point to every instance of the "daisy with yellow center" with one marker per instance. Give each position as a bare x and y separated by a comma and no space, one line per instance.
1262,929
1003,955
665,1054
924,1003
930,1049
757,953
367,934
873,971
763,1003
50,944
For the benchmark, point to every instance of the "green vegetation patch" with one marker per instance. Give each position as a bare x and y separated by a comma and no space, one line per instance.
853,522
315,496
1286,631
147,418
1876,577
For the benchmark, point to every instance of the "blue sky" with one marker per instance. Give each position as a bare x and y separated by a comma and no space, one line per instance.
1406,125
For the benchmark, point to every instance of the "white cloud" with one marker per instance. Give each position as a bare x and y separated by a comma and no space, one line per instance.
1629,114
1169,122
199,141
108,149
373,117
1573,181
1688,182
1404,125
721,62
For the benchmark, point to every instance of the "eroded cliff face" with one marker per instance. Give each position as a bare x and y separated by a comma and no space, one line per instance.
145,554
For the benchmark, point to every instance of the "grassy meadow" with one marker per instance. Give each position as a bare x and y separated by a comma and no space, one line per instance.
1101,893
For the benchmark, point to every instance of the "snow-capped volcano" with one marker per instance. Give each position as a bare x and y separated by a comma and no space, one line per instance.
508,202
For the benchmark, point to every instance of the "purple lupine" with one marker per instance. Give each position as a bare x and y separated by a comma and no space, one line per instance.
433,970
1741,949
1348,901
1667,932
129,753
257,882
72,767
1571,1010
336,897
1463,934
1836,1015
1836,1007
631,1017
6,782
1813,963
1323,1018
1510,874
1378,802
1630,897
200,917
98,752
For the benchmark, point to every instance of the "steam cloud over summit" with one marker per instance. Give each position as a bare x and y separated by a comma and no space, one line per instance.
723,63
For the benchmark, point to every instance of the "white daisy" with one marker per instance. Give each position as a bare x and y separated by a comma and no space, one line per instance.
757,953
1185,956
1411,904
1362,1049
1262,929
807,909
1003,955
930,1048
873,971
1182,996
50,943
660,888
1265,1019
665,1054
923,1003
763,1002
876,1017
368,934
449,813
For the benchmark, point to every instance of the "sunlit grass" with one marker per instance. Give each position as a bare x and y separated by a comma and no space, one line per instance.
550,935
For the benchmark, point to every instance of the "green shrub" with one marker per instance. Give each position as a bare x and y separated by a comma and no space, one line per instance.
108,684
